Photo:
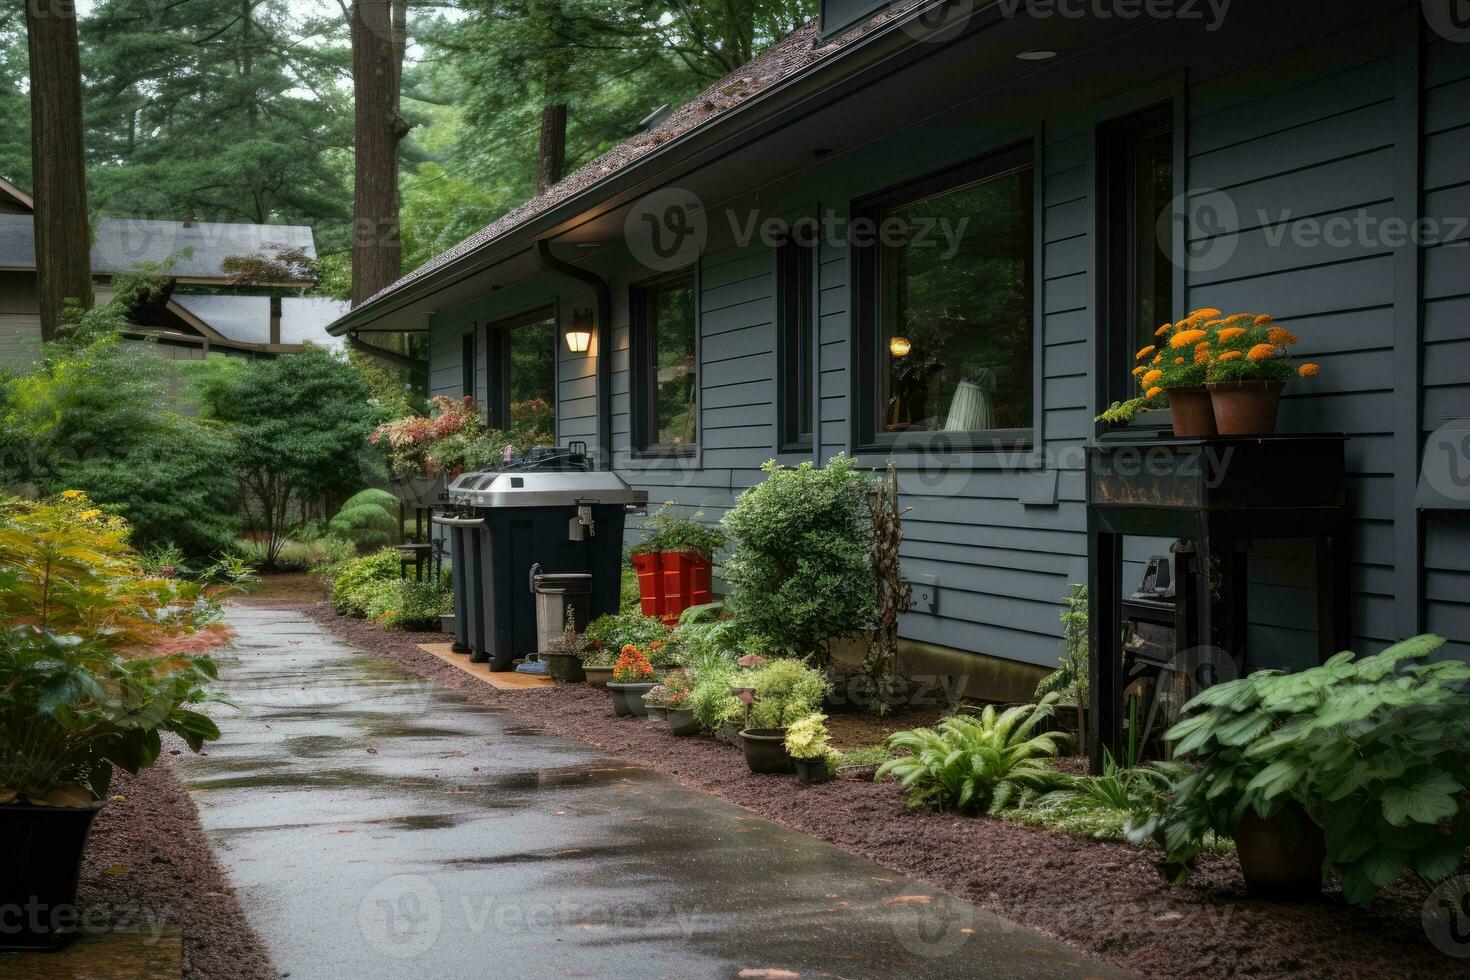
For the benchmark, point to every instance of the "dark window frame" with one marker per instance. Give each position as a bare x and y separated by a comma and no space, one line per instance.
497,363
1117,276
467,363
796,348
642,352
867,354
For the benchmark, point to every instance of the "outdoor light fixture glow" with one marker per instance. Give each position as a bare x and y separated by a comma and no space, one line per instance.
579,334
899,346
1036,55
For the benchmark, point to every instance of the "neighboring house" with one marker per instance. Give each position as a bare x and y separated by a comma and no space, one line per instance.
1288,148
186,325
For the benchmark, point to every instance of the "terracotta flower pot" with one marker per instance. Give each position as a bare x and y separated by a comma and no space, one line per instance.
1191,411
1246,408
1272,868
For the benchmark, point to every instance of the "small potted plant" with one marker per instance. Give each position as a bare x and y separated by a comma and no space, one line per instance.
1247,368
783,691
807,743
607,635
674,562
564,657
632,677
668,701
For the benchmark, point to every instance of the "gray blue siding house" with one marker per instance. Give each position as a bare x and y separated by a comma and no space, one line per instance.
1084,172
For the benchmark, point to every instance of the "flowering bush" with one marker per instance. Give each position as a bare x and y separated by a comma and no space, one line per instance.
632,666
414,442
606,635
672,692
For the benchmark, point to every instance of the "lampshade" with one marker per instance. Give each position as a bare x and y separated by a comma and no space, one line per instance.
579,334
899,346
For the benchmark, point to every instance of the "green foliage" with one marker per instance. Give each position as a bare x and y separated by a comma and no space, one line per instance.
369,519
630,599
296,555
974,763
1376,750
1070,677
300,424
666,530
1094,806
1121,413
353,581
406,604
608,634
70,711
711,701
801,571
864,755
785,690
807,738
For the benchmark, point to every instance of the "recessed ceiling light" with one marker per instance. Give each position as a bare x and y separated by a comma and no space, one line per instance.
1036,55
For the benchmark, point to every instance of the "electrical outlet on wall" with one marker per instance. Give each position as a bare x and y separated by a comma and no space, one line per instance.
923,593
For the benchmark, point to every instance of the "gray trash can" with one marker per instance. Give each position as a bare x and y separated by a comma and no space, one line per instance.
559,594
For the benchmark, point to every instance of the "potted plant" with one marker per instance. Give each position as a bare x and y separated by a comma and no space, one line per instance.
1171,372
784,690
668,701
607,635
806,743
1248,367
673,562
564,657
1358,764
632,677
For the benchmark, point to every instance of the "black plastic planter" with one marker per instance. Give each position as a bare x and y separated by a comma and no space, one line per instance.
628,698
682,723
44,846
597,676
656,712
765,751
811,770
564,667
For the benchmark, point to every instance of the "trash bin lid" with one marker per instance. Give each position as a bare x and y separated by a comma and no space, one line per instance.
489,489
550,582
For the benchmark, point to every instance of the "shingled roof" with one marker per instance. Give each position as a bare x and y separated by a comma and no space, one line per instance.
798,50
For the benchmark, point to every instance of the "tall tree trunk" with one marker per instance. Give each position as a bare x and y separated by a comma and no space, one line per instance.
63,240
553,146
377,69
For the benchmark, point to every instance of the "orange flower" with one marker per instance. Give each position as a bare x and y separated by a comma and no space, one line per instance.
1141,369
1205,313
1262,320
1186,338
1157,358
1151,377
1231,333
1281,337
1202,354
627,648
1153,392
1163,330
1308,370
1178,360
1144,353
1261,352
1231,355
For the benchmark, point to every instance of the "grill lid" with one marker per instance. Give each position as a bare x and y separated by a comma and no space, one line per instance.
531,489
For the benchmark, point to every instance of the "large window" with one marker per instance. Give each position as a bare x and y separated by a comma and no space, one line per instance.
1135,191
522,370
665,377
796,327
947,317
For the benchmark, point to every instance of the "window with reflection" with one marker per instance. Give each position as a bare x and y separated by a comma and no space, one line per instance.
665,381
523,355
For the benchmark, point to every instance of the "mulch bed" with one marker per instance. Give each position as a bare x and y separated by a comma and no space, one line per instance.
1101,896
148,863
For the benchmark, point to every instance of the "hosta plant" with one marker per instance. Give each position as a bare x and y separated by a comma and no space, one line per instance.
1375,749
973,763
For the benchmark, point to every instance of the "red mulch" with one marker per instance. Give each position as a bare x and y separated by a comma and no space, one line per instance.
148,862
1100,896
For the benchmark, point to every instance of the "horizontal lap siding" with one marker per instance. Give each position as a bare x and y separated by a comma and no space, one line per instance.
1446,365
1305,176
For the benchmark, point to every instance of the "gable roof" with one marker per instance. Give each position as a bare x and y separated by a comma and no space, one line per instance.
247,319
122,243
13,198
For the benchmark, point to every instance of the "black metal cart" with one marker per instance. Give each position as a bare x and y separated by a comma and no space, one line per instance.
1214,494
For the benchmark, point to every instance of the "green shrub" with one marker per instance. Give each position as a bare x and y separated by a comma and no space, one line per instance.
785,690
406,604
979,762
369,519
1094,806
354,581
608,634
711,701
666,530
1375,750
298,555
801,571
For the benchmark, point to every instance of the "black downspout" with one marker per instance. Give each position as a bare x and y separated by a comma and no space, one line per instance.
599,285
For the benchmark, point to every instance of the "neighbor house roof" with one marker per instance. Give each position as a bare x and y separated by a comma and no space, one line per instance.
247,319
781,62
121,244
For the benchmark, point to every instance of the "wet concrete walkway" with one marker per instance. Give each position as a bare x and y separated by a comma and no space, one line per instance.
377,825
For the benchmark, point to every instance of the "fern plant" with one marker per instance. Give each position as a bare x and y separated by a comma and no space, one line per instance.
974,763
1095,806
369,519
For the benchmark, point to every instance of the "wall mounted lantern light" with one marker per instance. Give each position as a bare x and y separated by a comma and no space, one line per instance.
899,346
579,334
